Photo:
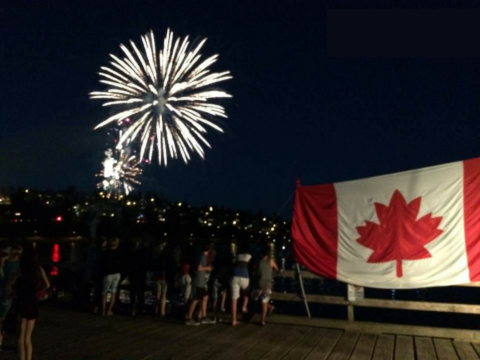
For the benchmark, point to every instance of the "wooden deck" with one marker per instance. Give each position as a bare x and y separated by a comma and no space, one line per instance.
64,334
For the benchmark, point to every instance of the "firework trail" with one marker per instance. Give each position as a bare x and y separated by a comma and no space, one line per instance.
120,173
166,96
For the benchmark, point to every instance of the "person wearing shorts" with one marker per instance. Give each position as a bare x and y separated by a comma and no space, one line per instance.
264,277
160,266
186,283
240,283
201,292
111,274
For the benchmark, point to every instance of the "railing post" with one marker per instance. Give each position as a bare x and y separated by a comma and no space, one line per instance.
351,316
304,297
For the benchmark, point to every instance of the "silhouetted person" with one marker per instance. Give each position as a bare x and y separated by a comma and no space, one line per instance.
32,285
112,263
138,263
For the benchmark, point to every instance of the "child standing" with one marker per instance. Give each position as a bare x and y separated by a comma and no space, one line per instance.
264,278
240,283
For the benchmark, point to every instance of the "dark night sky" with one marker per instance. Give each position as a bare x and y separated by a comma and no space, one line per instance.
295,113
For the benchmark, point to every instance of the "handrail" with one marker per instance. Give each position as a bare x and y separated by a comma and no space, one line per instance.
309,275
385,304
375,303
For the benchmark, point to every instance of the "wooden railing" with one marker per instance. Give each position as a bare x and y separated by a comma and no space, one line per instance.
375,303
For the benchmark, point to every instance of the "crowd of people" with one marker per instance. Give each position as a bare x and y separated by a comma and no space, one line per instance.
204,282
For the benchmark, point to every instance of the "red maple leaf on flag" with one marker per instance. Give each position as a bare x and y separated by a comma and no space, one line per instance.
399,236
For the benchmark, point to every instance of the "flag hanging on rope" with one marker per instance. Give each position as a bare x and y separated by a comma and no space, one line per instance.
413,229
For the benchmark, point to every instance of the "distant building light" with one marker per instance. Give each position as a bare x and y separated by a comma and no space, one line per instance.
129,203
234,223
273,240
264,219
165,234
283,247
267,233
152,199
26,191
210,208
18,214
180,204
112,215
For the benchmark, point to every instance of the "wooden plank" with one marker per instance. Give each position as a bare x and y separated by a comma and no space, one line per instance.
220,346
114,349
476,346
283,347
245,343
268,342
383,304
325,345
378,328
166,345
166,349
384,348
305,345
404,349
465,350
424,348
345,346
364,348
189,346
419,306
324,299
309,275
445,349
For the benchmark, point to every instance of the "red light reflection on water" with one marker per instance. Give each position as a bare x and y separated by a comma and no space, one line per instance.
56,253
55,259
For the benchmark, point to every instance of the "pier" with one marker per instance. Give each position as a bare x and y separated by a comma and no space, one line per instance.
67,334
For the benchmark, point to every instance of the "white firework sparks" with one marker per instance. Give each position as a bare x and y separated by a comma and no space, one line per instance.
167,95
119,174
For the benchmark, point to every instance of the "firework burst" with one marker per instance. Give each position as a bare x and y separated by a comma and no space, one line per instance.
119,173
167,95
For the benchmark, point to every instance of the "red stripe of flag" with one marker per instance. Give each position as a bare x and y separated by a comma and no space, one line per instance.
315,229
471,215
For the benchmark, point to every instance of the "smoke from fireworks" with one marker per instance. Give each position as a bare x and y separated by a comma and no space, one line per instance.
167,95
119,174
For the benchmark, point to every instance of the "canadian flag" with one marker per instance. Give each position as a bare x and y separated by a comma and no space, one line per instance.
413,229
